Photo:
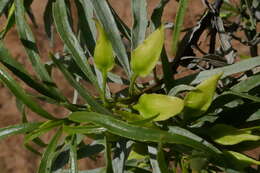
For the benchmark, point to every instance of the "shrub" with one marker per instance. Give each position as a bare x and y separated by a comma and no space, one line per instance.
202,122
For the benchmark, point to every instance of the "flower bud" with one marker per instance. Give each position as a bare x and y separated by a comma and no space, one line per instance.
164,106
103,54
198,101
146,55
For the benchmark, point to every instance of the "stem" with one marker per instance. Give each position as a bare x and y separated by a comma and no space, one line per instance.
132,85
104,79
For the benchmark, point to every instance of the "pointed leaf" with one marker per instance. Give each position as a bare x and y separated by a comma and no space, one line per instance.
18,129
228,135
47,158
139,14
183,4
19,92
175,135
63,27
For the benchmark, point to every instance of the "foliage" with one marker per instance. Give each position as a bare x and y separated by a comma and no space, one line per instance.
202,122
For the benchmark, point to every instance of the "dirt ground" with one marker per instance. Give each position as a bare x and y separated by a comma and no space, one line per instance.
14,158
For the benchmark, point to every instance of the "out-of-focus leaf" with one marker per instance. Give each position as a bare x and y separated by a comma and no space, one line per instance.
227,70
82,91
19,92
157,104
18,129
44,128
140,23
9,23
247,85
175,135
243,95
197,101
47,158
105,16
161,160
66,34
228,135
183,4
145,56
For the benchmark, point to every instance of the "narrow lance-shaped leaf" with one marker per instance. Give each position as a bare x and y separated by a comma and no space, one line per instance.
140,21
197,101
18,129
66,34
81,90
175,135
228,135
178,24
157,104
21,95
9,23
47,158
28,41
103,54
240,160
146,55
73,155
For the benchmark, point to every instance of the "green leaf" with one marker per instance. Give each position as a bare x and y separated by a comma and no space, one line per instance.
228,135
103,54
145,56
247,85
227,70
89,129
108,155
240,160
44,128
140,23
8,61
3,5
18,129
150,105
48,19
9,23
47,158
161,160
175,135
73,155
19,92
105,16
28,41
81,90
86,24
70,40
183,4
197,101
